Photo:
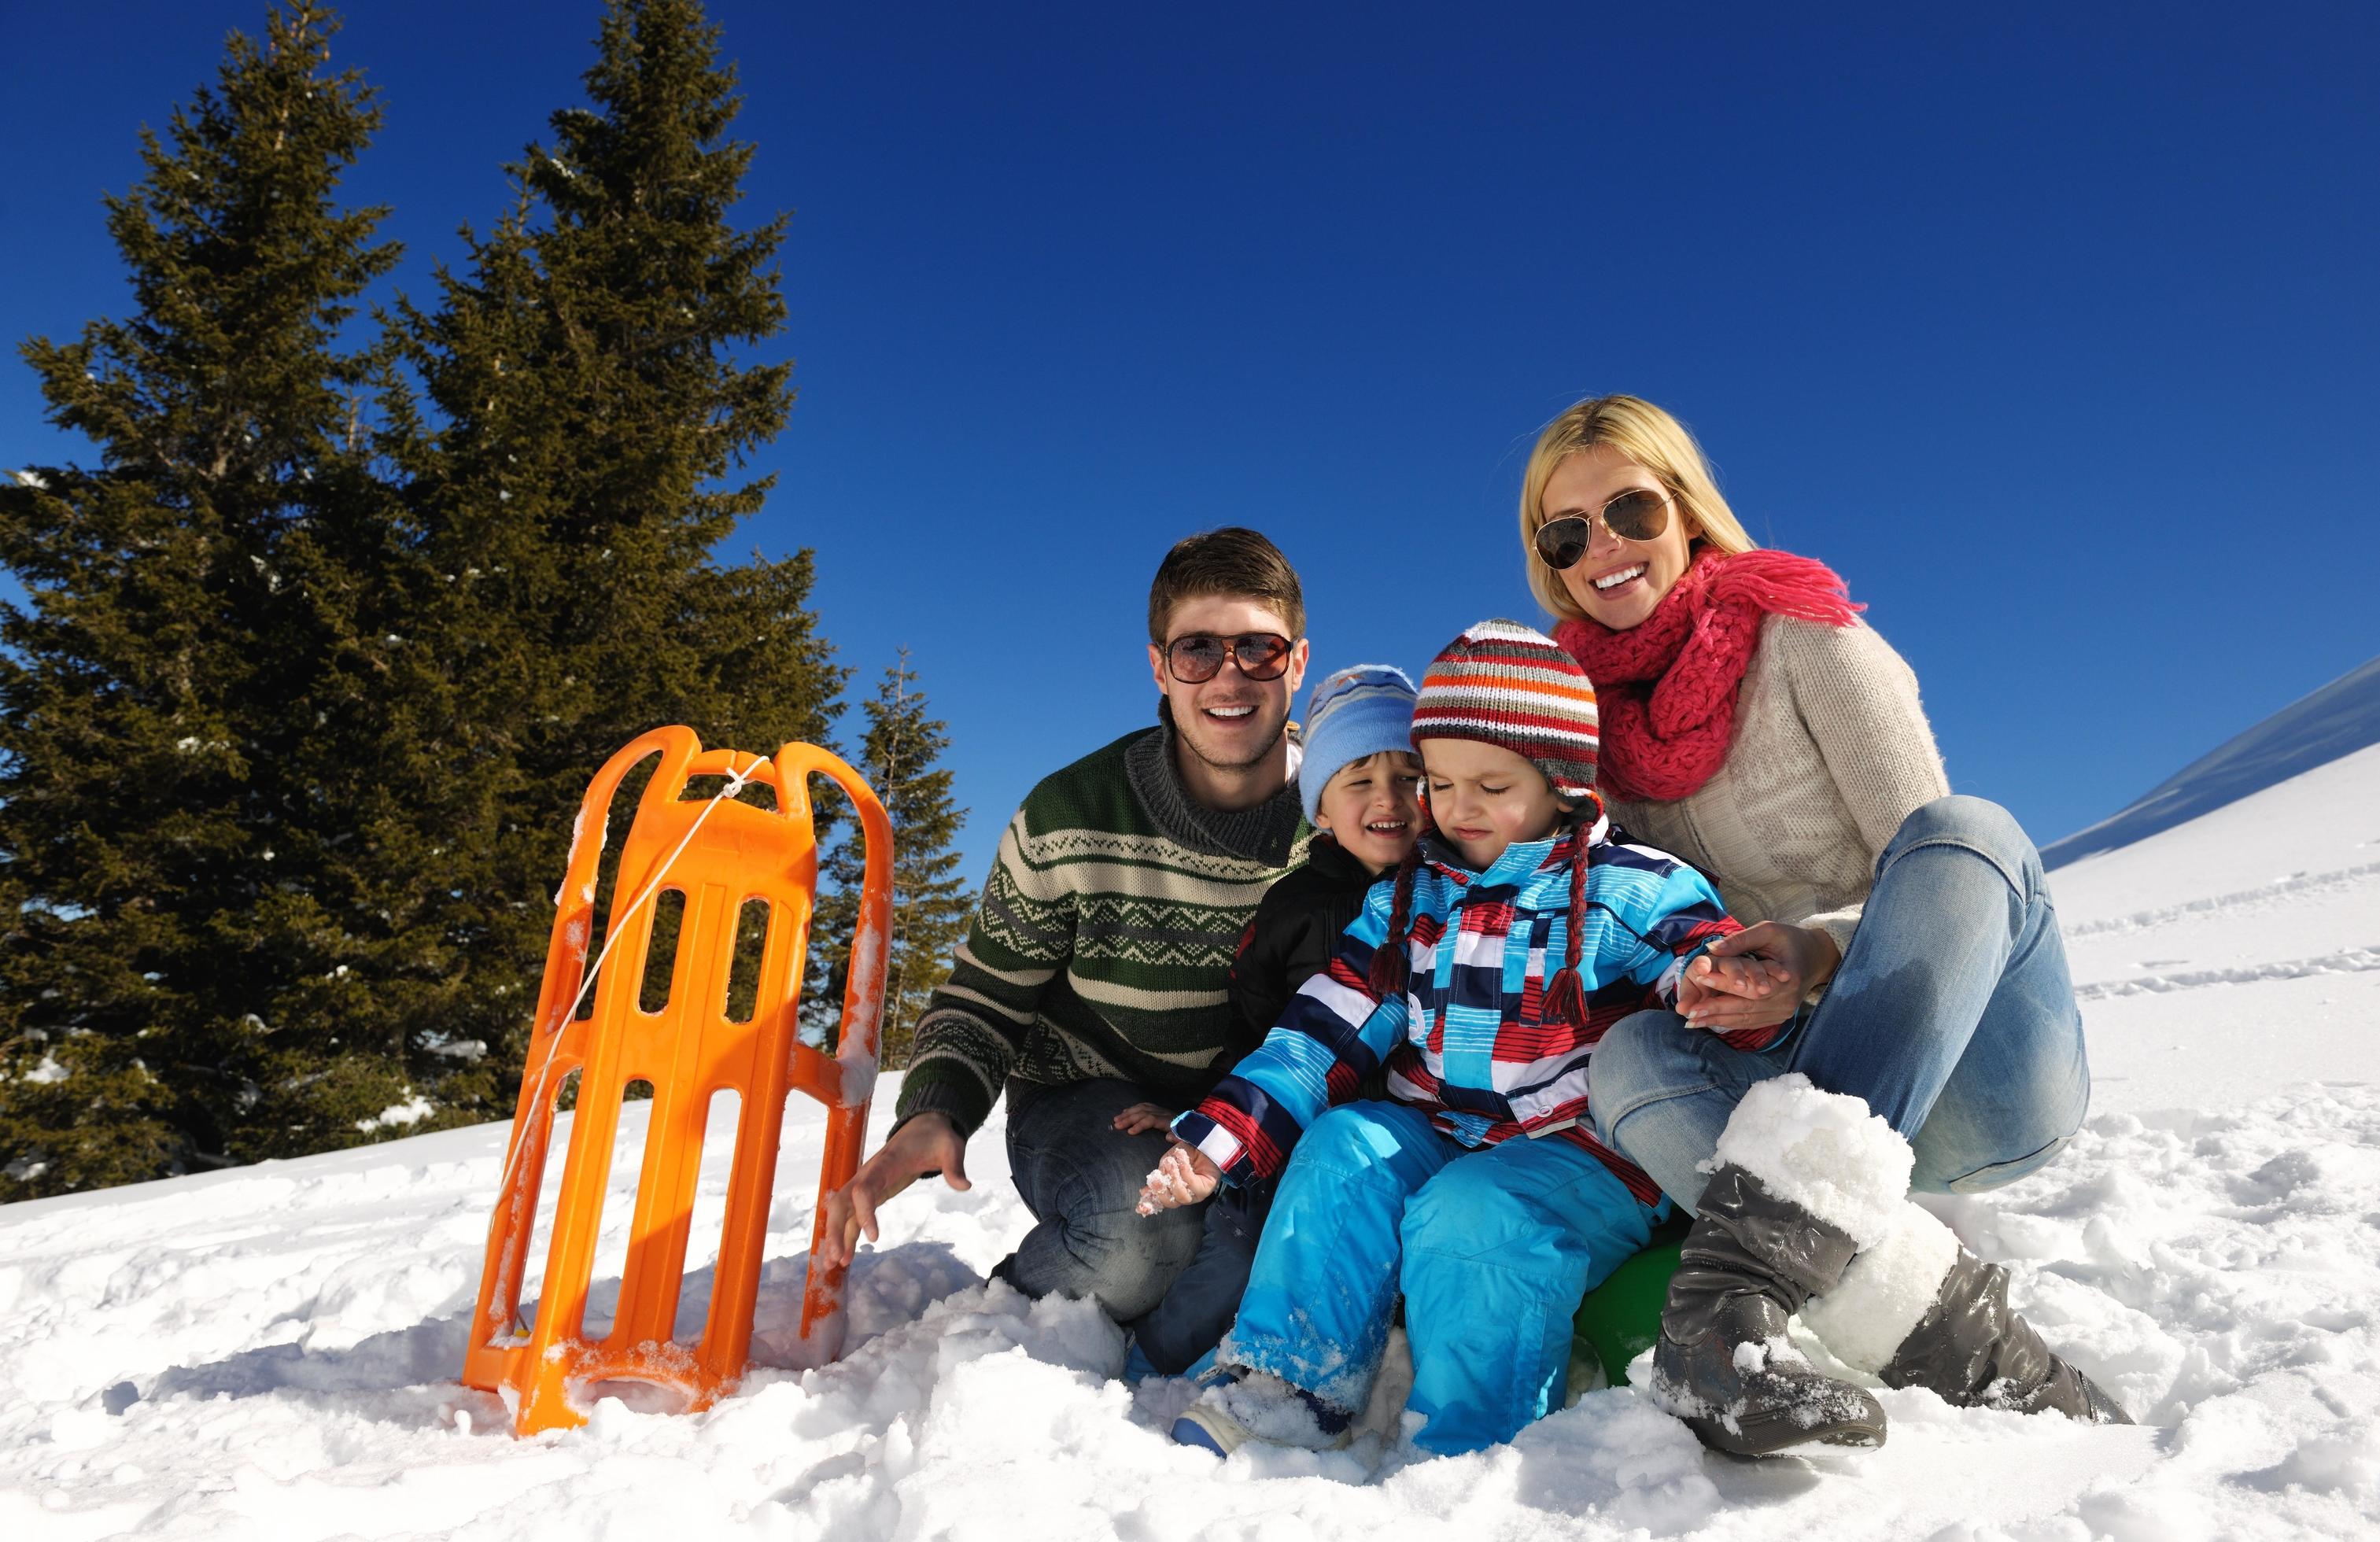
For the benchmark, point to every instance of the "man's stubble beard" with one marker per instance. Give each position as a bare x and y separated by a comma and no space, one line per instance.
1190,742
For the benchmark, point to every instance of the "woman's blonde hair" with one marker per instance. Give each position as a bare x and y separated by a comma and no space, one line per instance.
1652,439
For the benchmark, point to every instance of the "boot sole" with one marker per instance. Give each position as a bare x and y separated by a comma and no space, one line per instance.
1772,1433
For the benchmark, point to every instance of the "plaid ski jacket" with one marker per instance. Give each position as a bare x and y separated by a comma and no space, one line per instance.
1465,1040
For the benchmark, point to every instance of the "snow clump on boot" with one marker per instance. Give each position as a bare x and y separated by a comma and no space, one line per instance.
1886,1291
1823,1152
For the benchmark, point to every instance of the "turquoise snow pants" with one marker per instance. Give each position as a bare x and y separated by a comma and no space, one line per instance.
1491,1247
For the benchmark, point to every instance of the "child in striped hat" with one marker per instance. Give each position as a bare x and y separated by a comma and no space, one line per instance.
1514,936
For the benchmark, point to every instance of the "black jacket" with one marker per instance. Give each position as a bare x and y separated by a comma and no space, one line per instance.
1293,933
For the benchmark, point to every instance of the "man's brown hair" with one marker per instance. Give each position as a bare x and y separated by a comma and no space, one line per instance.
1232,561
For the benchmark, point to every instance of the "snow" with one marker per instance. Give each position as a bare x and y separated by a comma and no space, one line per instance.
272,1351
1886,1291
1822,1152
413,1110
2228,958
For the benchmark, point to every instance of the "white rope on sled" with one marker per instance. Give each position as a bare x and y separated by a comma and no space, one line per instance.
613,932
619,926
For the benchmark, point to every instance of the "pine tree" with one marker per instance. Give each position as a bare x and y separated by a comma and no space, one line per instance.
583,407
223,936
899,758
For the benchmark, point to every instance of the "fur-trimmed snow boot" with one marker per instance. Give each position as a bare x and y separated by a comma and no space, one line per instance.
1918,1310
1805,1180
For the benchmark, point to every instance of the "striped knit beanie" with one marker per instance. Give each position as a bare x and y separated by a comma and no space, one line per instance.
1352,716
1512,686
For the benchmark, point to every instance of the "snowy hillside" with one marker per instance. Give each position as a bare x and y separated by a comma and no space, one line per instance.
270,1352
2335,721
2222,959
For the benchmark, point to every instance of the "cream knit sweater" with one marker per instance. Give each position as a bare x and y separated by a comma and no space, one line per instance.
1832,752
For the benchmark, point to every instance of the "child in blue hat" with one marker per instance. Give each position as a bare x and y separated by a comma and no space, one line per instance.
1361,783
1360,780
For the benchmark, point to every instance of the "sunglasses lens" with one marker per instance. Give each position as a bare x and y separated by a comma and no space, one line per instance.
1637,515
1262,656
1561,542
1194,659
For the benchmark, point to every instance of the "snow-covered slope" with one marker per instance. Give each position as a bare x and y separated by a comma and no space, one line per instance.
270,1352
2335,721
2224,958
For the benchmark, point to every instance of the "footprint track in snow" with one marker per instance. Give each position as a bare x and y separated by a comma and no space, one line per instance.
2348,960
2295,889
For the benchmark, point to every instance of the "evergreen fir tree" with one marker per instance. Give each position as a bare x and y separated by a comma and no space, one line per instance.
223,935
583,410
899,758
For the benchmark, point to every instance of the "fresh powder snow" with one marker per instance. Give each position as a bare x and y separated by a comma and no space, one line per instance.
270,1352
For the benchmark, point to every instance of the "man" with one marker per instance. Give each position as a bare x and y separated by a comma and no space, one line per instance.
1093,987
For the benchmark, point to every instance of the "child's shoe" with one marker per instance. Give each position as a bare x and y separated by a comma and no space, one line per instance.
1253,1405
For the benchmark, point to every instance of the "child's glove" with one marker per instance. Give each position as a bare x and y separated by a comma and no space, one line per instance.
1183,1176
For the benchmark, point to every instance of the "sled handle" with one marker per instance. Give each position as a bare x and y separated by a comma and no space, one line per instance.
863,990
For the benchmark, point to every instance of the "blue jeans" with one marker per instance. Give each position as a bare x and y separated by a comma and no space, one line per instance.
1492,1248
1952,1015
1174,1277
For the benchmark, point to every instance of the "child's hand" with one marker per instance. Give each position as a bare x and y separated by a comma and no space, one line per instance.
1141,1117
1184,1176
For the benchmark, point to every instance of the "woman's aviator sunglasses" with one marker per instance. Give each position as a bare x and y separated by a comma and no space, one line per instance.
1198,657
1639,514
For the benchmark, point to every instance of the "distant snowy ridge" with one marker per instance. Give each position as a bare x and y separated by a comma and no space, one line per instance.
2340,719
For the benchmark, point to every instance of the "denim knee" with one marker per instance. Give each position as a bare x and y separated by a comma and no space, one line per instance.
1129,1260
1644,1058
1978,824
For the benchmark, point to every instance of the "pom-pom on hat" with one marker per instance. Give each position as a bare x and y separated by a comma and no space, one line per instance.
1353,715
1510,685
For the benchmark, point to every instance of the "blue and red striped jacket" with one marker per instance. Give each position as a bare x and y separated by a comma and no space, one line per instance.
1466,1039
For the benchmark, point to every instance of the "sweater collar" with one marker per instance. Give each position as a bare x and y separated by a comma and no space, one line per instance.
1265,833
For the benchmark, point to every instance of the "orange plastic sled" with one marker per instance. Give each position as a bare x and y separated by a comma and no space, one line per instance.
717,854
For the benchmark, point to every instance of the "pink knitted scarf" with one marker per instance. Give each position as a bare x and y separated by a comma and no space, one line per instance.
1666,689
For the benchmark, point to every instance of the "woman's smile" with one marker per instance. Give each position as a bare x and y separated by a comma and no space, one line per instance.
1617,582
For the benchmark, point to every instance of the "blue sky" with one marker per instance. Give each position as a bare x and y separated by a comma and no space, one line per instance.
2055,333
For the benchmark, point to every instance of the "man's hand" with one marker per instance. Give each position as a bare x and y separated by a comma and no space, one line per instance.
1756,977
1183,1176
924,1146
1141,1117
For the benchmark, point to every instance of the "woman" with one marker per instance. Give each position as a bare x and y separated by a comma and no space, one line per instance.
1753,725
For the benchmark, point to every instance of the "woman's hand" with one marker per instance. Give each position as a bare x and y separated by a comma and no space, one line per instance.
1756,977
1184,1176
1141,1117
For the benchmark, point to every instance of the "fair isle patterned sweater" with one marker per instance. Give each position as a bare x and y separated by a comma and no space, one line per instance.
1103,943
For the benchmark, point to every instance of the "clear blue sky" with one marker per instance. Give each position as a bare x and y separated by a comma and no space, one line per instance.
2056,331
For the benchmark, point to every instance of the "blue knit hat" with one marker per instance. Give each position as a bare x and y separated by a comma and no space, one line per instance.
1351,716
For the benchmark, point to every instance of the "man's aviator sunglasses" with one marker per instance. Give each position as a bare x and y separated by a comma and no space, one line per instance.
1198,657
1639,514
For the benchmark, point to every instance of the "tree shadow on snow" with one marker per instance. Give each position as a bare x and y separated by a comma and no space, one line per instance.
406,1376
